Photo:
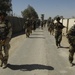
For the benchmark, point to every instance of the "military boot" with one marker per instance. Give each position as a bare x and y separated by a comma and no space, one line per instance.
5,65
5,62
1,59
57,45
71,61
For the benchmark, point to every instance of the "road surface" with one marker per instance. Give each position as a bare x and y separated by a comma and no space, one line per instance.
38,55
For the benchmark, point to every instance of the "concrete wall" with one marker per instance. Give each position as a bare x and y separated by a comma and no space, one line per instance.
71,22
68,23
17,24
65,24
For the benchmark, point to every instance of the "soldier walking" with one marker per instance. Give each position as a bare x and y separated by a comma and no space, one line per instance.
5,37
28,27
51,27
41,25
34,23
71,40
58,31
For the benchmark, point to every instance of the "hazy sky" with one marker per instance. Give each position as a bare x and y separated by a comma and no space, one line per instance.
51,8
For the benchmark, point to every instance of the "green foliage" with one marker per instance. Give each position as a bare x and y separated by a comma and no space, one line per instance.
5,5
29,12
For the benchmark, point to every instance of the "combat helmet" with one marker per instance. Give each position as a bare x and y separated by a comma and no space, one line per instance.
58,18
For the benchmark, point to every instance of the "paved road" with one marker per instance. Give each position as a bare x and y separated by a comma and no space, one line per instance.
38,55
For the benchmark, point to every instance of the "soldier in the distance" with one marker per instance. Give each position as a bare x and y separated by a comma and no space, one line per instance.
28,27
51,27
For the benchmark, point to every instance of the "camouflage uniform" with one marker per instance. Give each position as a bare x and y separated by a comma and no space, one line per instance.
48,21
5,36
28,27
58,32
34,24
71,40
41,23
51,27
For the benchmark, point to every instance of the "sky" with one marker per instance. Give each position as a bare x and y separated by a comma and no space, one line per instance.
50,8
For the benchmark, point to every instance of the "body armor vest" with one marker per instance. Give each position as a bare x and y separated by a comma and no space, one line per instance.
3,30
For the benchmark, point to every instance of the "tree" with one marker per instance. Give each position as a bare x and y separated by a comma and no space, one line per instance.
29,12
5,5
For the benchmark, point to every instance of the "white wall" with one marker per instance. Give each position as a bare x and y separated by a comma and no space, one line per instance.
65,24
71,22
68,23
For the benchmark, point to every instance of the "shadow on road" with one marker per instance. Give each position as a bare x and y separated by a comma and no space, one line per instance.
73,64
39,31
37,34
64,47
29,67
36,37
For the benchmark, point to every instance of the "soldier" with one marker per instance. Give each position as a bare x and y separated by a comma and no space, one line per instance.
5,37
42,25
38,23
34,24
28,27
51,27
71,40
48,21
58,31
